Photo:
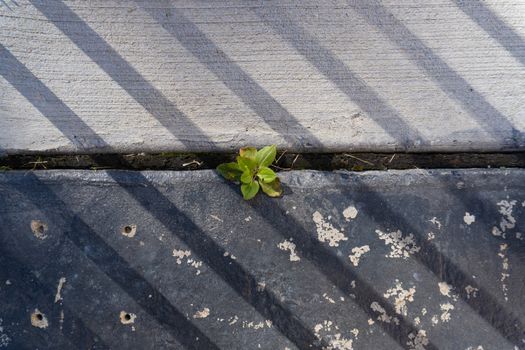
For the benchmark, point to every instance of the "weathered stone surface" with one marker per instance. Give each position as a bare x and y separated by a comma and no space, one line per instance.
151,76
177,259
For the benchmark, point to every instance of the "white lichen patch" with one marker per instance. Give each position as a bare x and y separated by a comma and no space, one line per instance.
370,322
202,313
355,332
469,218
127,317
257,325
261,286
129,231
472,292
326,232
519,236
338,342
417,341
431,236
479,347
327,298
39,320
400,246
417,321
424,311
383,316
39,229
181,254
335,341
233,320
445,289
58,295
196,264
4,338
507,221
401,297
326,325
446,308
436,222
289,246
505,269
357,252
350,213
435,320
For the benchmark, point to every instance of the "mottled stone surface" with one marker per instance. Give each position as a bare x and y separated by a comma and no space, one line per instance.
377,260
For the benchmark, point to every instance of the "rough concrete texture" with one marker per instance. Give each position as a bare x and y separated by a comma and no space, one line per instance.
377,260
151,76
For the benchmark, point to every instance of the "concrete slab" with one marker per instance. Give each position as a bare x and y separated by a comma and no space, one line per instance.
151,76
376,260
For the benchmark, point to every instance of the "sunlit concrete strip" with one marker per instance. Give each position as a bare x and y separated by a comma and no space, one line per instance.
348,81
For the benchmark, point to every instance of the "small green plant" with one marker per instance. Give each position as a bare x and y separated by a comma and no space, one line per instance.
252,170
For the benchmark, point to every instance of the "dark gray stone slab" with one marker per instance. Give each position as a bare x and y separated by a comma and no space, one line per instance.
376,260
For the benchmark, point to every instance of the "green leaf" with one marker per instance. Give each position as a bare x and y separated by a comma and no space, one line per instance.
247,163
272,189
249,190
266,175
230,171
266,155
246,177
248,152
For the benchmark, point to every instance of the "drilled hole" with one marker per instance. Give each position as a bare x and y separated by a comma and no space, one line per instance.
39,317
128,229
127,317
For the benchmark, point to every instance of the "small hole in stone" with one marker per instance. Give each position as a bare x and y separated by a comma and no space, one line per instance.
40,229
128,229
39,317
127,317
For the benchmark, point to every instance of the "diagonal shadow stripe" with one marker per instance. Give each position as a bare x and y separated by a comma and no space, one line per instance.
245,284
480,13
235,78
43,99
453,84
505,322
340,274
286,322
213,255
31,287
5,3
339,74
115,267
470,200
129,79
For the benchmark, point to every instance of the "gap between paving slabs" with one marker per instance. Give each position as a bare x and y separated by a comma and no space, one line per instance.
353,161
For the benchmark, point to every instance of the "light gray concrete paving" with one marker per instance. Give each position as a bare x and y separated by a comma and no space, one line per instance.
306,75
